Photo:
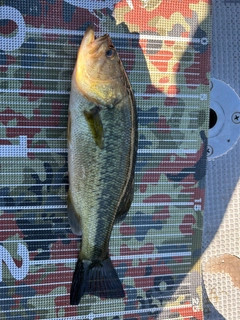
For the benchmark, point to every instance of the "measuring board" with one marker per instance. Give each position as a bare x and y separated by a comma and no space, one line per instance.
164,46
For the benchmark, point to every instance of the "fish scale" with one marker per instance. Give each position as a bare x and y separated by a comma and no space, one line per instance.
105,170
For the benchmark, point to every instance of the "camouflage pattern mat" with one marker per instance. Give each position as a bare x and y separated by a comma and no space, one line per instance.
165,47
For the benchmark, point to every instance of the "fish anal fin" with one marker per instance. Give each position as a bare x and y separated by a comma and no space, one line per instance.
95,124
73,218
98,278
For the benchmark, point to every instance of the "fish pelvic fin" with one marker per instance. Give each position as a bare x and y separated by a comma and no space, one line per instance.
98,278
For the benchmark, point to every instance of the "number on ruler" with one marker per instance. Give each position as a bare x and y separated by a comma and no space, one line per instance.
18,273
12,43
196,304
197,204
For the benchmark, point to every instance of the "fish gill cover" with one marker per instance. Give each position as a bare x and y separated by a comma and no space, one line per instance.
166,53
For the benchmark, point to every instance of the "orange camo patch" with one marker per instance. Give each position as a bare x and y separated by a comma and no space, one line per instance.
173,90
164,80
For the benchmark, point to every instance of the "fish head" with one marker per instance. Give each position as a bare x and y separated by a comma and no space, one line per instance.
99,74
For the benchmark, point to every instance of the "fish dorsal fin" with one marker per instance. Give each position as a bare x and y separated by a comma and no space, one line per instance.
95,124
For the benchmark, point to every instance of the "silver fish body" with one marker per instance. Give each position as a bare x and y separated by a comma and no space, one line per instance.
102,147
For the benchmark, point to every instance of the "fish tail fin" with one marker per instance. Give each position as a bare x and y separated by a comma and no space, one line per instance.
98,278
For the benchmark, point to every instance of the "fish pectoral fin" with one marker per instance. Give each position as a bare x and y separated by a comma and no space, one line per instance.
73,218
95,124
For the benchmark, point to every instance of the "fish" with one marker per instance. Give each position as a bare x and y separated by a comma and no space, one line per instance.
102,140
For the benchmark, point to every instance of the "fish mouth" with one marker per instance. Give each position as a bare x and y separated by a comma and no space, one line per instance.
89,36
98,42
102,39
92,43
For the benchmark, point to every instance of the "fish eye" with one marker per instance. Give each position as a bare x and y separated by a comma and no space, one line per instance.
110,53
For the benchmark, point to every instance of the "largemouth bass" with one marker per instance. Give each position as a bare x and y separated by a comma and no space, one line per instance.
102,148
